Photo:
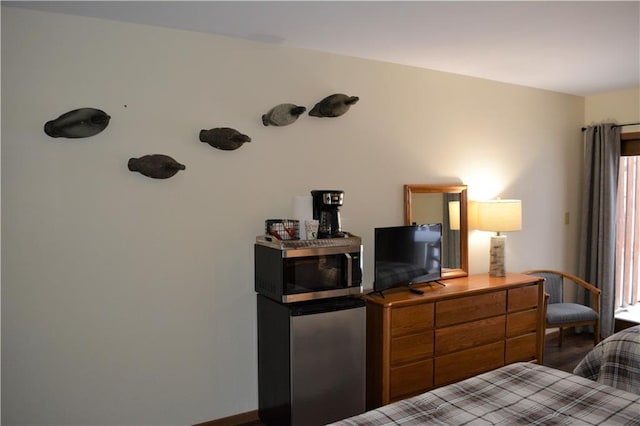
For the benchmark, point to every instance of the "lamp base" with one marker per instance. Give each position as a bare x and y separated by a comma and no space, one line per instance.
496,256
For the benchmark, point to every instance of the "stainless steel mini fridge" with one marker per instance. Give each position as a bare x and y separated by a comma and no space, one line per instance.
311,360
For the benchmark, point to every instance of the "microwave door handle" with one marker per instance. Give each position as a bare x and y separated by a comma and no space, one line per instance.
349,269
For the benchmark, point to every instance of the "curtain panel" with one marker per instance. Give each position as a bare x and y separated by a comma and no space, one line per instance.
597,246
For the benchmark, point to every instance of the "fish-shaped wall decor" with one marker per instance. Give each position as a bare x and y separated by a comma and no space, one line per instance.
333,106
79,123
157,166
282,115
224,138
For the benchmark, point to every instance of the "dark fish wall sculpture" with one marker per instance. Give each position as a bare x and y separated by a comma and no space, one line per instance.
157,166
224,138
333,106
282,115
79,123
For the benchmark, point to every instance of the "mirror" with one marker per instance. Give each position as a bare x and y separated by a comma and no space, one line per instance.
446,204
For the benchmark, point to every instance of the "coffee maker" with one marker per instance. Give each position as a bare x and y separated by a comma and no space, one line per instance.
326,210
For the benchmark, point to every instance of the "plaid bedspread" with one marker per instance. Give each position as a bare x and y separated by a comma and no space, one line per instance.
615,361
522,393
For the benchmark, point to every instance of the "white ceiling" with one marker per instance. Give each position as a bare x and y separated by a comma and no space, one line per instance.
576,47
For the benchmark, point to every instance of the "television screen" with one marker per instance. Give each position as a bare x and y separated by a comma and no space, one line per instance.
406,255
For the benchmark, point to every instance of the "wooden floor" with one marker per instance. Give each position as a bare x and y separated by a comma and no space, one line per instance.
574,348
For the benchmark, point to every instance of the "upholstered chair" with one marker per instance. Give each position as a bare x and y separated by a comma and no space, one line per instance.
560,314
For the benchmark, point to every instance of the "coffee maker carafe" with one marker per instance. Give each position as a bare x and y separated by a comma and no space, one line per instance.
326,210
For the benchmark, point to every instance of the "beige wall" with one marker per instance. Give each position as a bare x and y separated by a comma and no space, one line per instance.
621,107
127,300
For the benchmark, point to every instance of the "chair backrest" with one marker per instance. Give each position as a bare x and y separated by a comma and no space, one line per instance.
552,285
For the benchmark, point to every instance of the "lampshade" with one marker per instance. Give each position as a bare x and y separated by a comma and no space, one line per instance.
499,215
454,215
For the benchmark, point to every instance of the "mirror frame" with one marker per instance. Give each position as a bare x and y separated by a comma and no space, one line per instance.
410,189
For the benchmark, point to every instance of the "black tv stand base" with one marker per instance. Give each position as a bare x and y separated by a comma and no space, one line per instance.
430,284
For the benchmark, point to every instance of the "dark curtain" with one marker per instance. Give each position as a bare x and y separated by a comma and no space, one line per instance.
597,247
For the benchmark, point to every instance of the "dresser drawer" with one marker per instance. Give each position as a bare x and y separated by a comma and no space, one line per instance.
463,336
523,298
460,365
521,348
413,347
465,309
522,323
410,379
411,319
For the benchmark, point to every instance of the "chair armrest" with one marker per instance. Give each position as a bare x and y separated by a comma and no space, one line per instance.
595,292
593,289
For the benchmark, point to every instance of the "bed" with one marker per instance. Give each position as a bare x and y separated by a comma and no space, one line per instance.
520,393
615,361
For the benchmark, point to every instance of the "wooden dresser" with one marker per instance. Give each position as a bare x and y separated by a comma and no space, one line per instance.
474,324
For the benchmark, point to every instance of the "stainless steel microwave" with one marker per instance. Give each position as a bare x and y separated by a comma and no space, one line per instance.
297,270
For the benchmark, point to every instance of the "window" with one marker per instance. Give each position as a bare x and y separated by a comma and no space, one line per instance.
628,226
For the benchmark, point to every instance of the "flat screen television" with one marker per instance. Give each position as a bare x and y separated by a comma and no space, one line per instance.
407,255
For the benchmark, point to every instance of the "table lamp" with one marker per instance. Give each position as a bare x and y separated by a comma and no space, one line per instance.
499,216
